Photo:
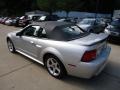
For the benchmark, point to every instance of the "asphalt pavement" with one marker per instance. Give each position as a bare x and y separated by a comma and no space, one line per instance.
20,73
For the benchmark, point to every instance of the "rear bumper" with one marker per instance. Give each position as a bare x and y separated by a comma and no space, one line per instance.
87,70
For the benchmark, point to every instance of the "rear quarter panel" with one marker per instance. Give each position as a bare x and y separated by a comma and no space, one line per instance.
66,52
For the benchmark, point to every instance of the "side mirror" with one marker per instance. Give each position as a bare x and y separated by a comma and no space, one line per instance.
18,34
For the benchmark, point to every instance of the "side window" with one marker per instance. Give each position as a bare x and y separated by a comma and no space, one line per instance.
31,31
42,33
35,31
39,33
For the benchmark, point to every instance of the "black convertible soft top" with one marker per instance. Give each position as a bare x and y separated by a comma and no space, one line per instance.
49,26
54,30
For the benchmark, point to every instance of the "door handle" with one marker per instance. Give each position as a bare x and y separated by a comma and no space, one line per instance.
38,46
31,42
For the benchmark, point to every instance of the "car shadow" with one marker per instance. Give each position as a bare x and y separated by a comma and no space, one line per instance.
104,81
115,42
101,82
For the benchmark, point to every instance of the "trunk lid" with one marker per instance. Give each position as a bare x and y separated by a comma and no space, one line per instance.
91,39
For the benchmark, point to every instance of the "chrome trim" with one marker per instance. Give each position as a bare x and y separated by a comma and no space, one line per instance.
30,57
38,46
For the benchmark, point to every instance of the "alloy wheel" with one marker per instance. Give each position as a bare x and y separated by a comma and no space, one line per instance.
53,67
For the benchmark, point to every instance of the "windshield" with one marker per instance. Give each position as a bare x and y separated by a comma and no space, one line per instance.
115,23
22,17
87,21
42,18
67,33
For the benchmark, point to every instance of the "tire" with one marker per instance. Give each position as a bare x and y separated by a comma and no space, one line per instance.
11,46
55,67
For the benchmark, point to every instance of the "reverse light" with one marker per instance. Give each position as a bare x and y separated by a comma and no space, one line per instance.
89,56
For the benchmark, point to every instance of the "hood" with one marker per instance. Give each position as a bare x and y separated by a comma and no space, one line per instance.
90,39
13,33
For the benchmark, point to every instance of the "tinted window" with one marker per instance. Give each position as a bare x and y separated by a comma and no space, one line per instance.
31,31
41,33
73,30
67,33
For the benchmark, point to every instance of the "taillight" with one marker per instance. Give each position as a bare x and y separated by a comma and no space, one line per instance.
89,56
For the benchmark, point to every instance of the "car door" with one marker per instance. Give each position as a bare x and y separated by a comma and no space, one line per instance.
26,42
37,43
19,40
29,39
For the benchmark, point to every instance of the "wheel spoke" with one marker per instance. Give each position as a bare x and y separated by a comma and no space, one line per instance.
49,65
51,60
58,70
57,65
54,71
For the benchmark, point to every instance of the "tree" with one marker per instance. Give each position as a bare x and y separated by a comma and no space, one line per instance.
70,5
47,5
14,7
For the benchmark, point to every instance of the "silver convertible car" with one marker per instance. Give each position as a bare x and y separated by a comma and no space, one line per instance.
63,48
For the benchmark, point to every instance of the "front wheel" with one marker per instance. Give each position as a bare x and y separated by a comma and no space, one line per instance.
11,46
54,67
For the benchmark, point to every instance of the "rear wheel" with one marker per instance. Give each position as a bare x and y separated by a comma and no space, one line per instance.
11,46
54,67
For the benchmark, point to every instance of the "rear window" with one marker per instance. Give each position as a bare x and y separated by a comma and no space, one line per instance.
87,21
67,33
